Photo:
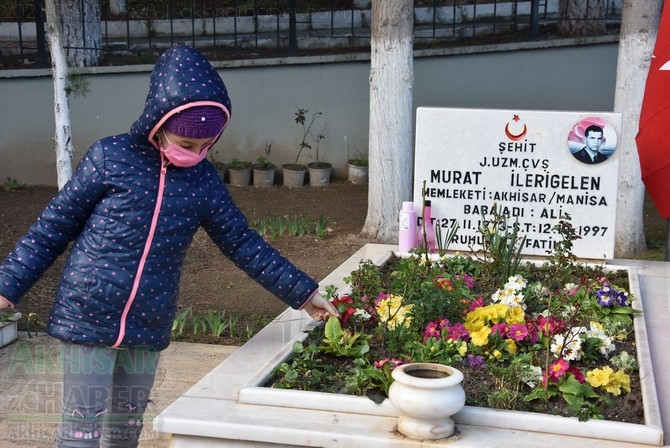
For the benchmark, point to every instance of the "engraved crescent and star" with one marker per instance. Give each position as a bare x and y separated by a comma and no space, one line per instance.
515,137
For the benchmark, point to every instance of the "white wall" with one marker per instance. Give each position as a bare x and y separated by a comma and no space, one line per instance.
545,76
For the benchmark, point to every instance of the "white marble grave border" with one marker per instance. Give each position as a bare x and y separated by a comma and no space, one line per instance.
230,408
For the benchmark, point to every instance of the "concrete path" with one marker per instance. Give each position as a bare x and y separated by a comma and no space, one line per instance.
30,388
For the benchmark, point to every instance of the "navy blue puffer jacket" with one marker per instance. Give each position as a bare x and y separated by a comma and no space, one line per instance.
132,219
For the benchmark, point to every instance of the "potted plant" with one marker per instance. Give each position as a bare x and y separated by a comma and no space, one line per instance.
8,327
239,173
358,166
294,173
219,165
264,171
319,171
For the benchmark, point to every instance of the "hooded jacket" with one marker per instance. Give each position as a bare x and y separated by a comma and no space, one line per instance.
132,216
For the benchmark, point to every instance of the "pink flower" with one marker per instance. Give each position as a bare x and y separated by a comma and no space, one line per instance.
477,303
467,280
499,329
533,336
550,325
431,331
392,362
556,370
518,332
458,332
381,297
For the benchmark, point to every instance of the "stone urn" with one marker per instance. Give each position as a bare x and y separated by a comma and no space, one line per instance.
426,395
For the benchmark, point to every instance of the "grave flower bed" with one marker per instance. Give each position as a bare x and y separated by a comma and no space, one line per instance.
553,336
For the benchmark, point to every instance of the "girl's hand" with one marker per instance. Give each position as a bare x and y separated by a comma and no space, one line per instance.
319,308
4,303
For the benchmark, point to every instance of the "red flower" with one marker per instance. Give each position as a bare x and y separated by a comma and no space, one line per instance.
444,283
341,303
579,376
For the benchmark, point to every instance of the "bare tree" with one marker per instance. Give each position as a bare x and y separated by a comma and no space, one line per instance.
80,30
63,137
639,26
391,123
582,17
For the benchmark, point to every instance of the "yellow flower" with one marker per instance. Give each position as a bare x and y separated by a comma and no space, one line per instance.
599,377
511,346
499,312
516,315
497,354
391,312
618,381
480,337
463,349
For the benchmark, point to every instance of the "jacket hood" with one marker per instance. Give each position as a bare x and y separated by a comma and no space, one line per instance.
181,78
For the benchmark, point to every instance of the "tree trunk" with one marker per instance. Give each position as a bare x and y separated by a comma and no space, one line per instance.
582,18
80,37
391,118
63,137
639,25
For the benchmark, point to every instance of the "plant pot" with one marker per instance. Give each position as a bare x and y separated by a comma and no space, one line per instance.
426,395
264,178
8,330
358,174
319,173
294,175
239,177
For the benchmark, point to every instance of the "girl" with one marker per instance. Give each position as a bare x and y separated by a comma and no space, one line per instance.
132,209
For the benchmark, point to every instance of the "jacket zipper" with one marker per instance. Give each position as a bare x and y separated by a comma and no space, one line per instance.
145,254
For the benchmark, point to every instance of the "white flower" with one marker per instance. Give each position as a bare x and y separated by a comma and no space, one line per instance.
362,314
531,375
517,282
570,286
511,294
557,345
597,331
570,350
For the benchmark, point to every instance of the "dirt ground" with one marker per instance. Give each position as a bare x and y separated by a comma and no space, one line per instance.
211,283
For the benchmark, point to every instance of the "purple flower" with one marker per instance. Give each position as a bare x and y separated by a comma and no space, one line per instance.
475,362
622,298
609,296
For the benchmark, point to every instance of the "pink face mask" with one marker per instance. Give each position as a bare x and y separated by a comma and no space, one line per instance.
183,158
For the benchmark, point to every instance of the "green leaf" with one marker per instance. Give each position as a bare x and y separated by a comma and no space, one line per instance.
540,393
573,387
333,331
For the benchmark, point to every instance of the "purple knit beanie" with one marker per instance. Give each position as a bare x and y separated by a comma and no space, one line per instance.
197,122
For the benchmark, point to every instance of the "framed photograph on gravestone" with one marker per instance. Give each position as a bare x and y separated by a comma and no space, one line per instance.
535,167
